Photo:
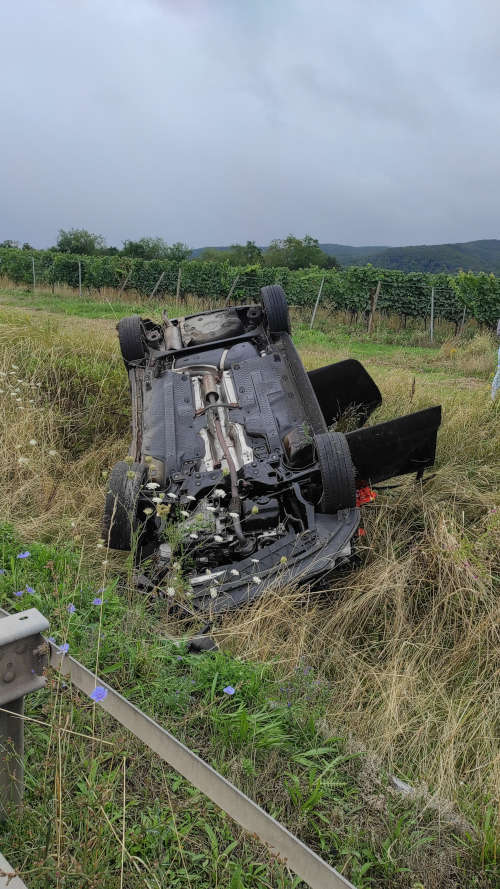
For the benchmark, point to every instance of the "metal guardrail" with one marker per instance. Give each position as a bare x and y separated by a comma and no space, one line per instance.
287,847
8,879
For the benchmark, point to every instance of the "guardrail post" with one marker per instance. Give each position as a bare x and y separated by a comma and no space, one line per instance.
23,657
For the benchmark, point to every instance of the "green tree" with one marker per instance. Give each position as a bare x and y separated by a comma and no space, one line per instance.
10,243
179,252
156,248
298,253
79,240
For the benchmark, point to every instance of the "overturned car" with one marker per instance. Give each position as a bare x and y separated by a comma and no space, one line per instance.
233,469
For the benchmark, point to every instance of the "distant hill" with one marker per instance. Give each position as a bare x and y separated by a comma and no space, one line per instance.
476,256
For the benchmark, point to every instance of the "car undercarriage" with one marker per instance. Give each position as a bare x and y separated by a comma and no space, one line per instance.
237,476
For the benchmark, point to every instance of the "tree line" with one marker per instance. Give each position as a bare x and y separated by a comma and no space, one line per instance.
290,252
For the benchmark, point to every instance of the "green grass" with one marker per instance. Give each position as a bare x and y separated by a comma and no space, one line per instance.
267,737
315,727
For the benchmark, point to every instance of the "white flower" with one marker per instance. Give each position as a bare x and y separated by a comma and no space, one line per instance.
100,545
256,579
219,492
193,536
22,460
152,485
15,366
184,513
104,563
73,524
148,511
190,497
52,452
234,515
208,571
235,572
170,494
176,566
218,538
212,508
170,591
213,591
33,442
18,400
2,373
255,561
155,499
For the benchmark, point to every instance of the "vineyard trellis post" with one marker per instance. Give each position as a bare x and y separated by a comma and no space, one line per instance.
373,305
34,273
80,278
178,288
462,325
155,288
233,285
432,316
313,316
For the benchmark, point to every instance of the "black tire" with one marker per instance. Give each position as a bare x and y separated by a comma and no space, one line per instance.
130,335
337,472
120,510
275,306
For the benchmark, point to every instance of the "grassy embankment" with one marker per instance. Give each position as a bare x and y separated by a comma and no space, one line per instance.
390,670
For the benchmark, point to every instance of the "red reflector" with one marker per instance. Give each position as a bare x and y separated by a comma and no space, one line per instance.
365,495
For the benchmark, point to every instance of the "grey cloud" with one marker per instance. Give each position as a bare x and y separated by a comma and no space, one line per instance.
214,121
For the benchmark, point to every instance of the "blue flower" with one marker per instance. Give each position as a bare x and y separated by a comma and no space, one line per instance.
24,555
29,589
64,648
228,690
19,593
97,601
71,608
51,639
99,693
3,571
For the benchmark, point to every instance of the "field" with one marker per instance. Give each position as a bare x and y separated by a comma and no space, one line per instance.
393,670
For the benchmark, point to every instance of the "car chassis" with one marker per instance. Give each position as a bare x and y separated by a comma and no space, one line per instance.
232,448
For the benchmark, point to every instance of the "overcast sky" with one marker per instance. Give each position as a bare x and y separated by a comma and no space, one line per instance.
218,121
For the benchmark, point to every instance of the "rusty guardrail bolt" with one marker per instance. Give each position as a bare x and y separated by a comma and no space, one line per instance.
23,657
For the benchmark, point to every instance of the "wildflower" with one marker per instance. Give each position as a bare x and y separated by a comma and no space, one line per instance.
15,366
152,486
24,555
148,458
148,511
33,442
225,470
99,693
283,560
171,591
29,589
171,495
130,474
235,572
228,690
234,515
255,510
52,452
256,579
162,510
155,499
129,459
212,508
22,461
184,513
219,492
218,538
19,593
99,545
3,571
71,608
64,648
213,592
97,600
193,535
190,497
72,523
255,561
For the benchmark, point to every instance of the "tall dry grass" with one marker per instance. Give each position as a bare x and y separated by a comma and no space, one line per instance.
408,643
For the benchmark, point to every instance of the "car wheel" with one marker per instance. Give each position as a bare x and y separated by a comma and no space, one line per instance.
120,510
337,472
130,335
275,306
